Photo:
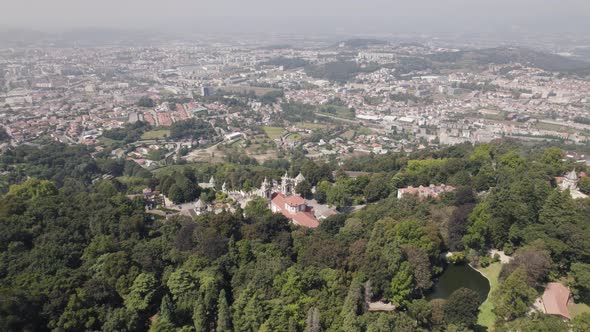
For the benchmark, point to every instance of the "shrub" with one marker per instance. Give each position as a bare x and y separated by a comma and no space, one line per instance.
457,258
496,258
508,249
484,261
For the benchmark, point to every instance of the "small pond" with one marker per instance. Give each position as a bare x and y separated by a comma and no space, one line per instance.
458,276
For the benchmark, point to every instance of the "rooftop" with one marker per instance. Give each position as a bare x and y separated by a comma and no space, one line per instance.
555,299
301,218
295,200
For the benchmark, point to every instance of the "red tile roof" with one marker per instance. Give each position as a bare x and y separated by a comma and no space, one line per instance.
295,200
555,299
301,218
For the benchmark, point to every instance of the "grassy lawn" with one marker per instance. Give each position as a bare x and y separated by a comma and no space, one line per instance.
554,127
349,134
156,134
261,149
247,89
577,309
274,132
338,111
107,141
486,316
500,116
310,125
364,131
237,144
293,137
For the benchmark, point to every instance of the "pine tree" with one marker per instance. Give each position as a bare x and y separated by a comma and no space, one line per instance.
402,285
352,300
200,317
167,309
142,292
292,325
249,311
513,298
462,307
559,209
223,314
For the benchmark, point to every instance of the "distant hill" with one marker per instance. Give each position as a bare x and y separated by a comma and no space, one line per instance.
275,47
505,55
102,36
11,37
360,43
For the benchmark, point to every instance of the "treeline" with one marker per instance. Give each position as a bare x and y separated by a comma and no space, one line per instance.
130,133
339,71
582,120
297,112
59,163
146,101
268,98
287,63
191,129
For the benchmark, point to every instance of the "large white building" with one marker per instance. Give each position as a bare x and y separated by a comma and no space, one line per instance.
570,182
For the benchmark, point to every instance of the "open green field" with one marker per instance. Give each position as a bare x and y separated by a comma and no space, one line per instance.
260,147
577,309
490,113
247,89
486,315
274,132
310,125
107,141
156,134
349,134
293,137
237,143
338,111
364,131
554,127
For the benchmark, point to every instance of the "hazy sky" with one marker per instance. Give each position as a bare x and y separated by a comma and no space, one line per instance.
298,14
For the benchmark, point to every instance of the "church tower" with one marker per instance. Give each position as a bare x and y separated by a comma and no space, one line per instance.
266,189
570,181
286,185
298,179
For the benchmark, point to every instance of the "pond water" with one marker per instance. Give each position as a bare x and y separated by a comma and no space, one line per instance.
458,276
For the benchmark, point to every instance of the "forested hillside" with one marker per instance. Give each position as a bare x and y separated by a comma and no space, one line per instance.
78,254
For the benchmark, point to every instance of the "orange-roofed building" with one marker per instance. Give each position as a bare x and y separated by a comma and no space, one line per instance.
294,208
555,300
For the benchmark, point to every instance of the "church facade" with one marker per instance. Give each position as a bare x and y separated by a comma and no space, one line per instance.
286,186
570,182
283,199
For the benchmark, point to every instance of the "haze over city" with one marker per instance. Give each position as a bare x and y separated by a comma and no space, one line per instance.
306,16
295,166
